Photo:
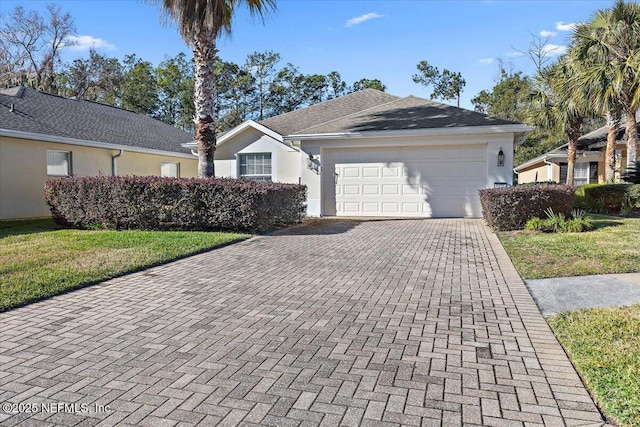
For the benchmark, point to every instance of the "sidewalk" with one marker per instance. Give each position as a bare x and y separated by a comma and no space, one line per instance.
559,294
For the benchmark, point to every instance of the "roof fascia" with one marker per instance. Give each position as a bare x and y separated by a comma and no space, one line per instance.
87,143
467,130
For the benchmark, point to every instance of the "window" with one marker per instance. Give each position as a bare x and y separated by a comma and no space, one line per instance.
256,166
581,174
170,169
58,163
584,173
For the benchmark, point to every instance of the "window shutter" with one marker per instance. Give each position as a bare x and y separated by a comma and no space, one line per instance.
593,172
563,173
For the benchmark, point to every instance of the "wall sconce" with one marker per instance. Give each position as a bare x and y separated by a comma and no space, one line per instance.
313,164
500,157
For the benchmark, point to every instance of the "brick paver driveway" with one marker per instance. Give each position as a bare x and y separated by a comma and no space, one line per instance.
412,322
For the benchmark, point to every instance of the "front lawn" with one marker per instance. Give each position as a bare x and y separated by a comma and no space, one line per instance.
38,259
604,344
612,247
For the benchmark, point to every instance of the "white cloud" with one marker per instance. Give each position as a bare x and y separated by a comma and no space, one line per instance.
514,54
545,33
561,26
554,49
360,19
486,61
88,42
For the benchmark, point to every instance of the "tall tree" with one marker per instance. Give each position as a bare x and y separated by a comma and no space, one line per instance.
337,86
292,90
236,90
95,78
447,85
140,88
508,99
175,91
368,84
262,66
200,23
30,46
610,43
554,105
597,78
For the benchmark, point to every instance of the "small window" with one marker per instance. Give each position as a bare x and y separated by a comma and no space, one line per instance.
170,170
58,163
581,174
256,166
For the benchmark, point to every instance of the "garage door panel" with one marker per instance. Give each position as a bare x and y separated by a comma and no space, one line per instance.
351,172
390,189
370,172
392,172
370,207
370,189
390,208
410,189
351,190
418,182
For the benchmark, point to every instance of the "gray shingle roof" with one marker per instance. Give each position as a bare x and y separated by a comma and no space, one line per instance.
43,113
406,113
295,121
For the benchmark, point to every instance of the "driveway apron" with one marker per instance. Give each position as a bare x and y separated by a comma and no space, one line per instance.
338,322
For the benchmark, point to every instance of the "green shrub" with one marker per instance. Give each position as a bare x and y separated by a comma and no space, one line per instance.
605,198
559,223
510,208
536,224
633,193
154,203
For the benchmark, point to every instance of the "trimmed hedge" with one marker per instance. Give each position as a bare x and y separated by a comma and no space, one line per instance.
510,208
608,198
154,203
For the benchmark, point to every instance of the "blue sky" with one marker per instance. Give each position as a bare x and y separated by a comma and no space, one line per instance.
373,39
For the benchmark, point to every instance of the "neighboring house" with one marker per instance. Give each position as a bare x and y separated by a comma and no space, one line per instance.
589,169
374,154
44,136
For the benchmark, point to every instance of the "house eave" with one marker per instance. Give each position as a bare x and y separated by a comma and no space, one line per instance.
467,130
557,158
10,133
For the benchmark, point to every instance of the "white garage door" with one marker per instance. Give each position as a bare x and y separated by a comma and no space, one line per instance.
427,182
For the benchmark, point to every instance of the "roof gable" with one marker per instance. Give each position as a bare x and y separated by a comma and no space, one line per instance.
31,111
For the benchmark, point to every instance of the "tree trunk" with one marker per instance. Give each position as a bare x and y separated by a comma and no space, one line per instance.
572,136
204,58
613,123
632,137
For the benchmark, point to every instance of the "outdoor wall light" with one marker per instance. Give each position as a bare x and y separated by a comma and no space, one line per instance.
313,164
500,157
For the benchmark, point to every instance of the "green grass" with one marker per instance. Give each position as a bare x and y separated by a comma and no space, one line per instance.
612,247
38,259
604,344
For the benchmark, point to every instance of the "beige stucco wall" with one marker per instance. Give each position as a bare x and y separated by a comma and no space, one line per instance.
23,171
539,173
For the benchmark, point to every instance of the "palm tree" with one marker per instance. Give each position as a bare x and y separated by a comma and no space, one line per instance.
553,105
200,23
595,76
611,42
